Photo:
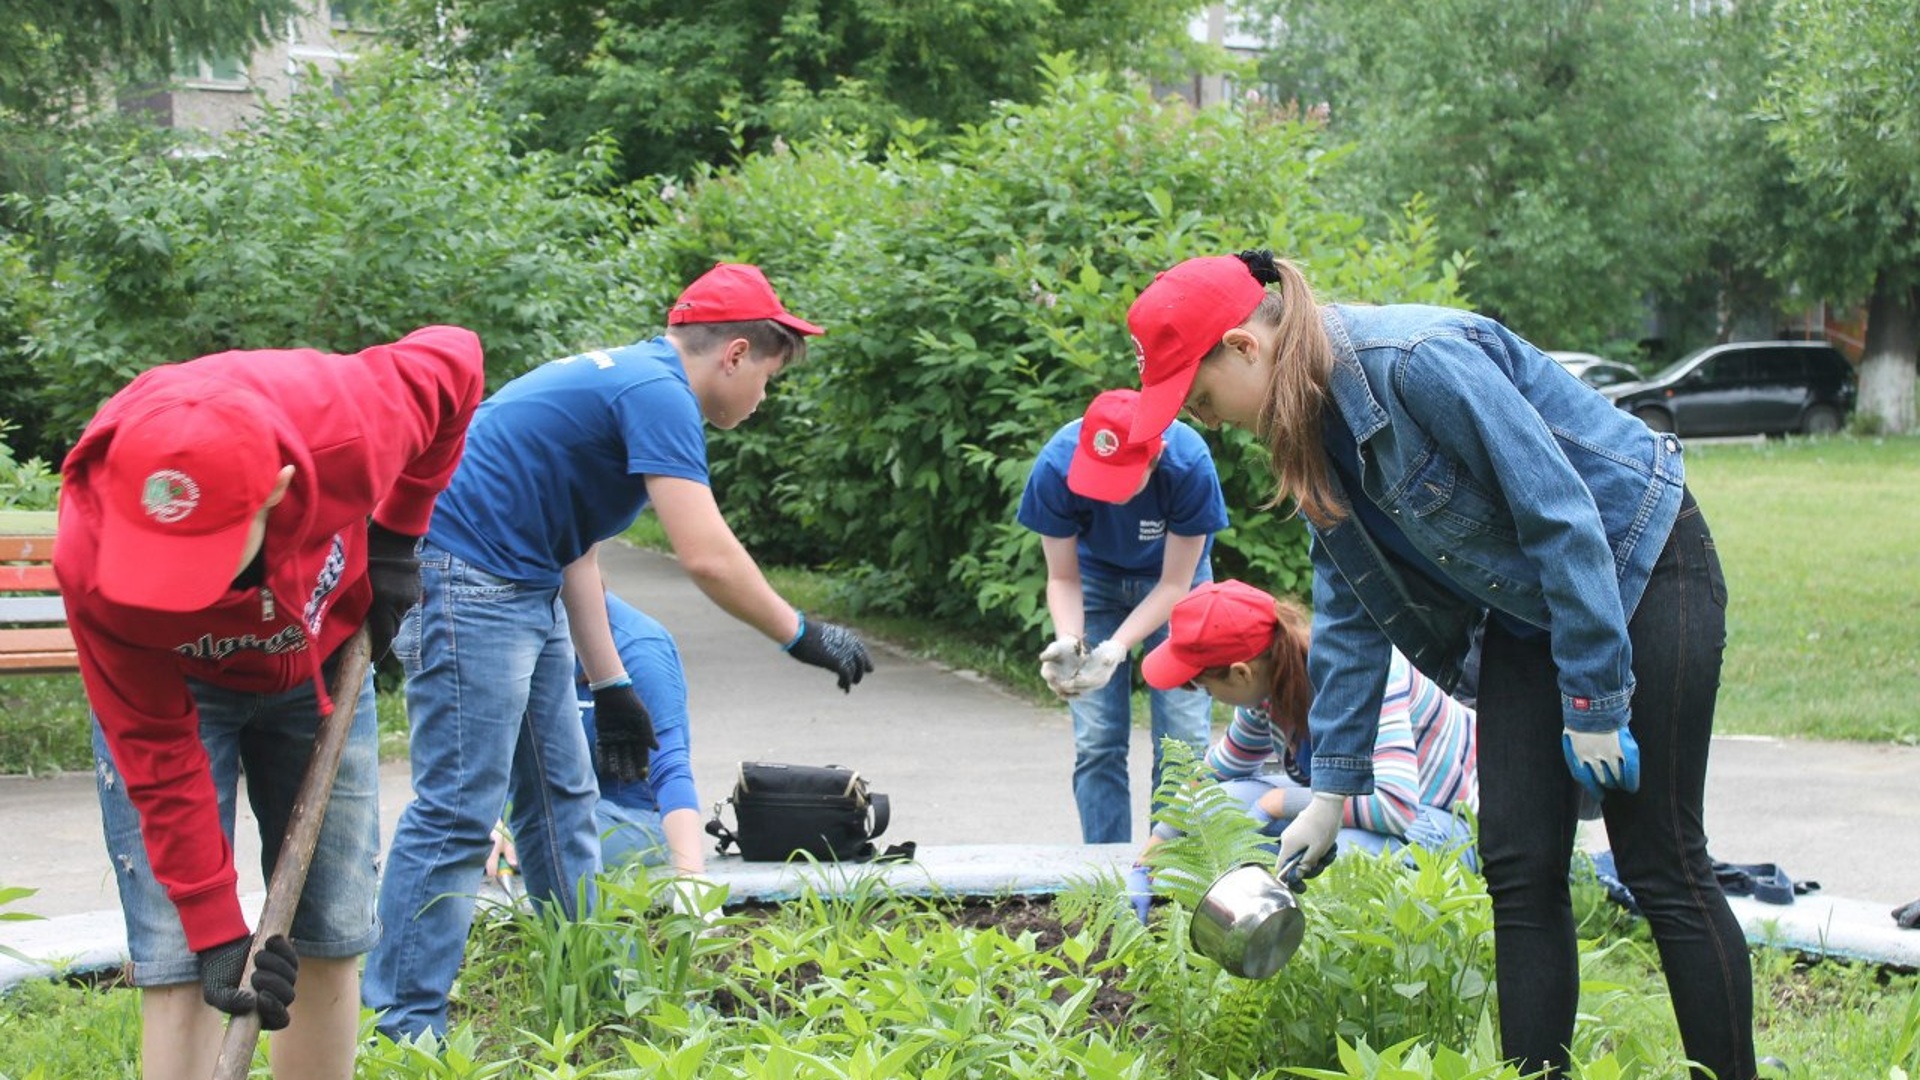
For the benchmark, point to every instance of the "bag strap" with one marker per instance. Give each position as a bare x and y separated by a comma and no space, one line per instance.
881,813
719,831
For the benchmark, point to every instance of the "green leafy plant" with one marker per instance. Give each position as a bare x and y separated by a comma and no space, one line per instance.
974,291
336,222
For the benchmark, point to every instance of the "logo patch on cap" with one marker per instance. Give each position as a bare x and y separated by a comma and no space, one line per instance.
1139,356
1105,442
169,495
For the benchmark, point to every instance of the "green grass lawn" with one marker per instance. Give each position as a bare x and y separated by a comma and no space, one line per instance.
1820,539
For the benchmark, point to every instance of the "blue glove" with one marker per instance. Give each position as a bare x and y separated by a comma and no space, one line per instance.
1140,891
1602,759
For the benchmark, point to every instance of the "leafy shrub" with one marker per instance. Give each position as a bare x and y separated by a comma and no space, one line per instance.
974,294
25,485
336,222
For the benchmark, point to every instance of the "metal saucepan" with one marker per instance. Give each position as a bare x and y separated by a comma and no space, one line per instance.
1249,921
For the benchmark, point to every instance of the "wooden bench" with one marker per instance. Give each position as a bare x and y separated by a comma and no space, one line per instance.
34,639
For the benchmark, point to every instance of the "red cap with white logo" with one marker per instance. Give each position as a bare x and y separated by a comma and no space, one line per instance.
180,486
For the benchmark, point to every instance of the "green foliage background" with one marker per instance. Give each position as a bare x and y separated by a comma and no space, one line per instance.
974,288
975,295
335,223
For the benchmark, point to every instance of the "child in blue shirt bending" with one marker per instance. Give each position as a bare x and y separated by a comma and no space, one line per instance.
1127,528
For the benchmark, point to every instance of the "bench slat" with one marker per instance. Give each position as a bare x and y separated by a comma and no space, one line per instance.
28,579
26,548
53,663
36,639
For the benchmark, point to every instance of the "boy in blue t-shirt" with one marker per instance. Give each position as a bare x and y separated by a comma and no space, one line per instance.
560,459
1127,528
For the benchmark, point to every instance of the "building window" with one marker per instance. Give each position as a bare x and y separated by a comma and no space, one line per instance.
222,71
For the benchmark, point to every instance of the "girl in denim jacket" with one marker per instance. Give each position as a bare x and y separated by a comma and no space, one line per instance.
1448,470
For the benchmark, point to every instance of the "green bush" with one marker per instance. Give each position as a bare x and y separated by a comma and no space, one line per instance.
974,294
336,222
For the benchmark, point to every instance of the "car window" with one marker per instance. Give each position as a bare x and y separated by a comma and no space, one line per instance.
1780,367
1608,375
1728,369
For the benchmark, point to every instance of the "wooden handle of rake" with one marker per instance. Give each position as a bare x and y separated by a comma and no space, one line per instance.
296,851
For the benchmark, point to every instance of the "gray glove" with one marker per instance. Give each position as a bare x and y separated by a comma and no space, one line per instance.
273,973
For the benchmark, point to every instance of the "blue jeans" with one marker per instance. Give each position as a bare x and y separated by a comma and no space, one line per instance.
1529,809
494,718
629,833
271,737
1103,719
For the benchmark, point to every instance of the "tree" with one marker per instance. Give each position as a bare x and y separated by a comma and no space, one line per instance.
57,54
679,82
1552,138
1844,103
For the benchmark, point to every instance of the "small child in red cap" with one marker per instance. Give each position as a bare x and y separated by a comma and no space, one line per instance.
1127,527
1249,650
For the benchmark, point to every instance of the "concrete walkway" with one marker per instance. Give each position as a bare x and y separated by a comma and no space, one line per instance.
970,766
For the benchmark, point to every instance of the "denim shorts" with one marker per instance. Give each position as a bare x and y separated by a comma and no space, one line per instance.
269,737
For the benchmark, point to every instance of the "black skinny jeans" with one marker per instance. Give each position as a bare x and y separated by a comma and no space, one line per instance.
1529,809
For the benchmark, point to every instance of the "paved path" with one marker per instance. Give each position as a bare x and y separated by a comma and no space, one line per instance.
966,763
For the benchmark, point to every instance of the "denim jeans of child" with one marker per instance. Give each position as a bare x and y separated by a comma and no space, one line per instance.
494,717
270,736
1528,812
1103,718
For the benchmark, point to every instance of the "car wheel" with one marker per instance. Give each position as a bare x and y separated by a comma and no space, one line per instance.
1821,420
1656,419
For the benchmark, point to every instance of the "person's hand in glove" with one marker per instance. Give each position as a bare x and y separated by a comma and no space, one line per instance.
273,973
1602,759
836,648
1313,832
394,572
1140,891
1060,662
1098,668
625,738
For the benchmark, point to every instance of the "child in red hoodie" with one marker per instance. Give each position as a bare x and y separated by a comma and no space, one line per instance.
214,552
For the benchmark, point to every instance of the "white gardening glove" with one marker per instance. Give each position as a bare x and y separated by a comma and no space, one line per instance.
696,895
1098,668
1313,832
1060,662
1602,759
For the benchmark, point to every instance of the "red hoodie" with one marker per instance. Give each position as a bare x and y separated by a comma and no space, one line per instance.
378,432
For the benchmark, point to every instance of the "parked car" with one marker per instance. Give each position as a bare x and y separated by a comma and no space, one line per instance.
1746,388
1596,371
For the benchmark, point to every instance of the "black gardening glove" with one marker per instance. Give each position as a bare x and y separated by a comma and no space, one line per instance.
835,648
625,732
273,974
394,572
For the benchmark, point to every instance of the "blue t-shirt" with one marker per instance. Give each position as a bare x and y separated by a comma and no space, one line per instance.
1128,539
653,663
556,461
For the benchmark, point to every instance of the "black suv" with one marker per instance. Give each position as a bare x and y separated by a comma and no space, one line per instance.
1746,388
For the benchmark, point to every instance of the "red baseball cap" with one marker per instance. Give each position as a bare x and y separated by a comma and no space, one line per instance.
1108,465
180,485
1176,322
734,292
1217,624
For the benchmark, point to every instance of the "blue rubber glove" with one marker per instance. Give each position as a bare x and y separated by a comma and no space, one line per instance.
1140,891
1600,760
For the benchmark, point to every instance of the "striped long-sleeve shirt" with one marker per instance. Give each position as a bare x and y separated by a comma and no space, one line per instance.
1423,754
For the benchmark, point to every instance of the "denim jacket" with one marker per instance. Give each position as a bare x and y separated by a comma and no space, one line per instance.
1531,492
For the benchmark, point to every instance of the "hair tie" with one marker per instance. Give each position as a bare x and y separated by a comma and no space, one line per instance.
1261,264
